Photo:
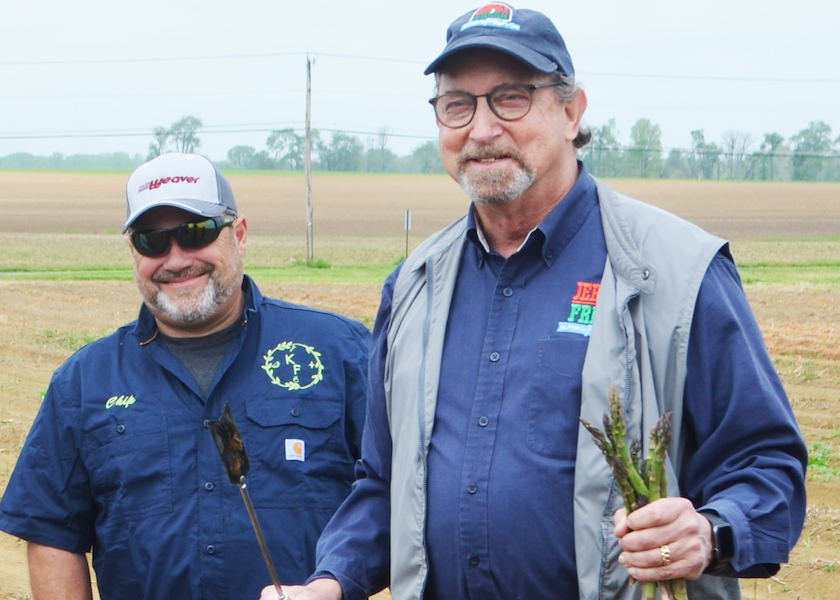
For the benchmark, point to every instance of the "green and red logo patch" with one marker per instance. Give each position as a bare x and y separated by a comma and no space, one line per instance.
492,15
582,311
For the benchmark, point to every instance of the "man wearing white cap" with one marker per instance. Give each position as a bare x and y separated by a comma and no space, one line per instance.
498,333
120,461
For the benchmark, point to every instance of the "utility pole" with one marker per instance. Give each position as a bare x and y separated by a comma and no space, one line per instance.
307,163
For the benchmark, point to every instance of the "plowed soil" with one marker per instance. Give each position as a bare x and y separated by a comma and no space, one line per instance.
41,323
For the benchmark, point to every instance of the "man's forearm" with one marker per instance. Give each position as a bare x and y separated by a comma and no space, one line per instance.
55,573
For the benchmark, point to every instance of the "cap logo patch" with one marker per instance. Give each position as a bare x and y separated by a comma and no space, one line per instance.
153,185
492,15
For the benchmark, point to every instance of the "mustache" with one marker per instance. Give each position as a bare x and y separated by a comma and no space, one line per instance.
170,276
494,150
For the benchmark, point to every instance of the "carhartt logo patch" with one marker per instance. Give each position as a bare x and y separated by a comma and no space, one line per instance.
492,15
296,450
582,311
293,366
124,401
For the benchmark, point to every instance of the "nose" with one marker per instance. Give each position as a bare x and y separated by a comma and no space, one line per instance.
176,258
485,125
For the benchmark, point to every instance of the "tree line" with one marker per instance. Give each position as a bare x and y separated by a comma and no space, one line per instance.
812,154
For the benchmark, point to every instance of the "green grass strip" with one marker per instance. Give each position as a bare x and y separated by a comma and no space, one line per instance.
300,272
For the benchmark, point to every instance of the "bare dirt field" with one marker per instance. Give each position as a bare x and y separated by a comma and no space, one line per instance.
375,205
43,322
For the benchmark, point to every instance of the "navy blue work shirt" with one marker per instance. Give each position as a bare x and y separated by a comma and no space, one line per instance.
120,460
500,478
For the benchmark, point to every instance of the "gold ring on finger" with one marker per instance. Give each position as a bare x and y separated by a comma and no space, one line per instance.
666,554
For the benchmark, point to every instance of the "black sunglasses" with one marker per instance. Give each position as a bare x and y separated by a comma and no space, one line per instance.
190,236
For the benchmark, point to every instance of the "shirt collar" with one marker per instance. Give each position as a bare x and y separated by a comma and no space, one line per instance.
145,328
558,227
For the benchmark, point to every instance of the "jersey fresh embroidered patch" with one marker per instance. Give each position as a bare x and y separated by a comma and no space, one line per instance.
296,450
124,401
582,311
492,15
293,366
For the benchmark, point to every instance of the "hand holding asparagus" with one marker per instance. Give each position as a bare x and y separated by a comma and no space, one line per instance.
640,482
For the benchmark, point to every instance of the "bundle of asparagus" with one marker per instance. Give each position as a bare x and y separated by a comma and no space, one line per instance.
640,481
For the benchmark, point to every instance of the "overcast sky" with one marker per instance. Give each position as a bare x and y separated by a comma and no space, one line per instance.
91,76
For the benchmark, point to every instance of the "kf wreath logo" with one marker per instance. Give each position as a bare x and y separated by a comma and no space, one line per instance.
294,366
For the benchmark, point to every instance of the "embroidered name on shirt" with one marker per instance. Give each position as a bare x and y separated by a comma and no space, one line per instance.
582,311
124,401
293,366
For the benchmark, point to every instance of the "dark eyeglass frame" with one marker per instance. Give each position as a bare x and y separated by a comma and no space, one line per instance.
530,88
190,236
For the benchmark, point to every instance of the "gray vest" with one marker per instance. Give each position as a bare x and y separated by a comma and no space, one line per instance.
639,343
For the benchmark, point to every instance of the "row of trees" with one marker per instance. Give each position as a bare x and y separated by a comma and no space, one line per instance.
813,154
810,155
341,152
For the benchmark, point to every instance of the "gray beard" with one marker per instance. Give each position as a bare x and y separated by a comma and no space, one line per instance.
522,180
185,312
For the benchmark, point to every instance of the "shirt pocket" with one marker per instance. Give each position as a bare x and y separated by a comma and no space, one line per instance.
130,469
554,402
299,449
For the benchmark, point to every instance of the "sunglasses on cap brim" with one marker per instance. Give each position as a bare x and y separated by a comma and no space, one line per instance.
190,236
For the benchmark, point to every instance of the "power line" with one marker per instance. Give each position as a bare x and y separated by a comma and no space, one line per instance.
219,129
29,63
710,78
393,60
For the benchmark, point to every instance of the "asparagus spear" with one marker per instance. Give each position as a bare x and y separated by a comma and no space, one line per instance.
640,481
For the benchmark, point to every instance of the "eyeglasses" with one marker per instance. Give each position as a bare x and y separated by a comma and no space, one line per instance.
509,102
190,236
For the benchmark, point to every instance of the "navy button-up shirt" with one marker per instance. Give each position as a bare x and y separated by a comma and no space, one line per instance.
507,415
500,477
120,460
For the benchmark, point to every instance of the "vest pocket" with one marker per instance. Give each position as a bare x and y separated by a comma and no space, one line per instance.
554,402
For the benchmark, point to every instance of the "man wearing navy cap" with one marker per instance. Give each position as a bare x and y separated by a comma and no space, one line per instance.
120,461
500,331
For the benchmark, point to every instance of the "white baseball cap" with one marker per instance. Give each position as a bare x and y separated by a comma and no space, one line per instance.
187,181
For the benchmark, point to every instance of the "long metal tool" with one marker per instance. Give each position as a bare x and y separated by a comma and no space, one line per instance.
235,462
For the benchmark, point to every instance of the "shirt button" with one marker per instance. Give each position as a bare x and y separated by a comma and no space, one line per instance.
507,292
206,423
120,428
473,560
472,488
483,421
495,356
211,549
549,255
209,486
295,412
645,274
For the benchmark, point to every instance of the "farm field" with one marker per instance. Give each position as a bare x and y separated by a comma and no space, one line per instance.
65,279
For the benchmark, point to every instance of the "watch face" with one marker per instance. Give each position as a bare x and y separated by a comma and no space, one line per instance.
724,542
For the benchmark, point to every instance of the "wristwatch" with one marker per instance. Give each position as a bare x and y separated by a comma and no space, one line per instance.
723,543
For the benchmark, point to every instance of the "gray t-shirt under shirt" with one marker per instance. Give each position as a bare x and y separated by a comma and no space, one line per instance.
202,355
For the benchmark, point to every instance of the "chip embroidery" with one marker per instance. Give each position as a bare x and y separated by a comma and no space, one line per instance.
293,366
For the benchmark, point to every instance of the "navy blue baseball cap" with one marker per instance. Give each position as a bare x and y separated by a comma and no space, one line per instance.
526,35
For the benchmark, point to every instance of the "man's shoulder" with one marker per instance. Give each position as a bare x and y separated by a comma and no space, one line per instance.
635,212
310,316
